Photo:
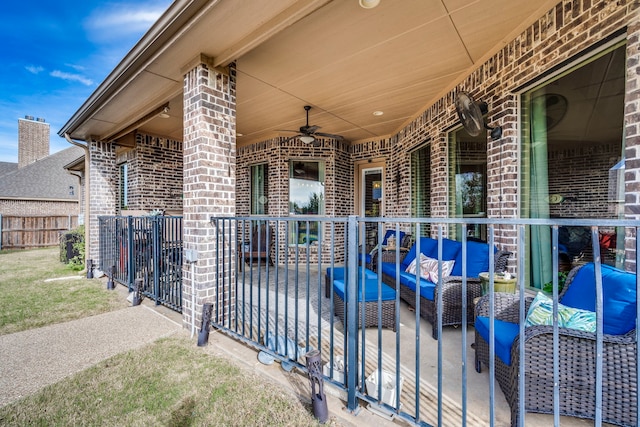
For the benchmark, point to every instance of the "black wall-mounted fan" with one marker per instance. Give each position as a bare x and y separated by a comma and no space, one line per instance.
471,115
308,134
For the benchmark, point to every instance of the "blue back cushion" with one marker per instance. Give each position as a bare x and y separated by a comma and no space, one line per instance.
618,295
427,246
477,259
390,233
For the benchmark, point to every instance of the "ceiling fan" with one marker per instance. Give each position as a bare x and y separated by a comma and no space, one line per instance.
471,115
308,134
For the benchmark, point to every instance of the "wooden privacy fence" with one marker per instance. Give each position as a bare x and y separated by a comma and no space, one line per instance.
22,232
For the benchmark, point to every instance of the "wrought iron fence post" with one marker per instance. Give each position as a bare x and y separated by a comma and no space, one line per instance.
131,261
352,312
156,245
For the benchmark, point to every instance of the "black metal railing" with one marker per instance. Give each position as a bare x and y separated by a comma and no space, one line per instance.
278,303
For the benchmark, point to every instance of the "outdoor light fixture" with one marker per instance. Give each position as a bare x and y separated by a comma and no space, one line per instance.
368,4
378,113
307,139
164,114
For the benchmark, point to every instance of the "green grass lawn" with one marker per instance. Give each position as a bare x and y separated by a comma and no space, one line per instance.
28,301
171,382
168,383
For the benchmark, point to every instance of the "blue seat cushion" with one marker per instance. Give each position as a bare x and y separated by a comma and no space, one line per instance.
477,259
427,288
618,296
338,273
370,290
505,333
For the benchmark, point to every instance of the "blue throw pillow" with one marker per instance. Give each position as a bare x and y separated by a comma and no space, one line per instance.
477,259
618,294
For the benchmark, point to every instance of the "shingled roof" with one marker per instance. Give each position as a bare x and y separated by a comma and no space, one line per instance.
6,167
45,179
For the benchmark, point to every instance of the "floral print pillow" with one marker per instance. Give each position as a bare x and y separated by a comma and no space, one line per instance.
541,313
429,268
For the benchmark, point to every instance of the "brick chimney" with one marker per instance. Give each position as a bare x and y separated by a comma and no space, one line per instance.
33,140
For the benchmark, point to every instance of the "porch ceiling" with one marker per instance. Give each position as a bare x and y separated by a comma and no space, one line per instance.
343,60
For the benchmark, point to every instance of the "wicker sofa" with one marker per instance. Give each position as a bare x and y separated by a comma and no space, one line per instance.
451,289
577,350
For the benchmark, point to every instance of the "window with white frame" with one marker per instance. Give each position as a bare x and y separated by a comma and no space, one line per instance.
259,189
306,197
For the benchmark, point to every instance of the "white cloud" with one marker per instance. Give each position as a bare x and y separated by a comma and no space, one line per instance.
76,67
33,69
72,77
118,20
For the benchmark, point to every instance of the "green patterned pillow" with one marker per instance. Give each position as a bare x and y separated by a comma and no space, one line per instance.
541,313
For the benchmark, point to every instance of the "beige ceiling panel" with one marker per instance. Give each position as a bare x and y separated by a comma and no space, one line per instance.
482,29
339,27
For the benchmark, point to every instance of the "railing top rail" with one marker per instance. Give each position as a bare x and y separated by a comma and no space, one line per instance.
587,222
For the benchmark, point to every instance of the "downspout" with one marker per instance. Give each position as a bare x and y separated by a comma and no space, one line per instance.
87,241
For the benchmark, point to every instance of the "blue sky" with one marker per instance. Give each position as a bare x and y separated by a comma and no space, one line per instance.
55,54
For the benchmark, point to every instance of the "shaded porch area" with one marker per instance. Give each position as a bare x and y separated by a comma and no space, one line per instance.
439,385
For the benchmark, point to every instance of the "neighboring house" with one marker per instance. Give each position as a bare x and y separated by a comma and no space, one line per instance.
42,188
39,186
192,117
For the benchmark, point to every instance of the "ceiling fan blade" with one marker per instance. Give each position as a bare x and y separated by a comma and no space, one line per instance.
287,130
329,135
309,129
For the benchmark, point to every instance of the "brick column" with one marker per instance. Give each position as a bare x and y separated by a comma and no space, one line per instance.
632,138
209,186
103,179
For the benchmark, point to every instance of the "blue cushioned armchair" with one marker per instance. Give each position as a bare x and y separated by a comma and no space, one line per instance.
577,350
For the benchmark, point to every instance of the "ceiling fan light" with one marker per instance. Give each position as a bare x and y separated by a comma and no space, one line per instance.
368,4
307,139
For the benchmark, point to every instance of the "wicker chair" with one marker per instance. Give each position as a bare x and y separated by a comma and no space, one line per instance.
451,290
577,350
259,246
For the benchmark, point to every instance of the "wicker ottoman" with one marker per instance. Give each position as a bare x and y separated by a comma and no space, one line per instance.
369,305
338,274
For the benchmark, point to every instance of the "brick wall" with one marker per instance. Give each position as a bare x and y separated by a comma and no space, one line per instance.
154,174
103,181
34,208
33,140
277,153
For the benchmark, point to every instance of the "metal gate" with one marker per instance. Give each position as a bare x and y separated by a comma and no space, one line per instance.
145,248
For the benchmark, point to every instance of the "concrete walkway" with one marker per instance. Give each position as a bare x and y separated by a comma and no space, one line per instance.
33,359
